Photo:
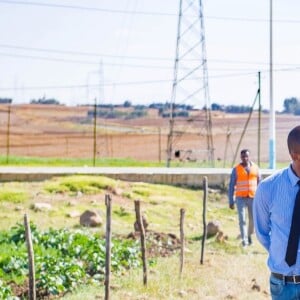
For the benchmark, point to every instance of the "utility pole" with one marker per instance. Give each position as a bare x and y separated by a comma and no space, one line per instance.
272,135
95,133
259,120
173,96
208,121
190,73
96,106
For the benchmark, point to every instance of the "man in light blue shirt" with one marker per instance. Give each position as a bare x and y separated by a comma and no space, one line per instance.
272,211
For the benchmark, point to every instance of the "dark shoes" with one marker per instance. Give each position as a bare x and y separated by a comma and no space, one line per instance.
245,244
250,240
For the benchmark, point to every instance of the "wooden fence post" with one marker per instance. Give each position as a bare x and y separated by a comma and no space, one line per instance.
204,217
108,246
32,291
182,213
143,240
8,133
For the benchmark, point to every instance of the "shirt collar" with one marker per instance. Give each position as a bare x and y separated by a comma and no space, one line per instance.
292,176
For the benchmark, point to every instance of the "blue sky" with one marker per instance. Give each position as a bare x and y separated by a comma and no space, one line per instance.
66,48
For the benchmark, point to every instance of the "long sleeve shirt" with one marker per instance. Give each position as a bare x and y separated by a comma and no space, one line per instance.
272,212
231,186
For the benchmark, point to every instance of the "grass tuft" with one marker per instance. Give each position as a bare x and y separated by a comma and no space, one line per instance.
13,196
83,184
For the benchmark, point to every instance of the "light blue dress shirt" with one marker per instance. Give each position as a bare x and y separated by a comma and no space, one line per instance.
272,211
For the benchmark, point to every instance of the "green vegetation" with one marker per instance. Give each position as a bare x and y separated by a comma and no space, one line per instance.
13,196
83,184
63,259
74,162
109,162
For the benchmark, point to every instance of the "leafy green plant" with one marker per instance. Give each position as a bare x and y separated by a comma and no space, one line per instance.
17,265
58,274
5,292
64,258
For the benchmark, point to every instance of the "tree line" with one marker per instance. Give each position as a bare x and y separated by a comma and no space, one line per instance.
290,106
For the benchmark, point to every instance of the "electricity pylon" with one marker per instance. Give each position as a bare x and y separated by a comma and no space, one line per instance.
190,73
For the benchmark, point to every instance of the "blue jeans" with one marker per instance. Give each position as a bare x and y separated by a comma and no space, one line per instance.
243,205
281,290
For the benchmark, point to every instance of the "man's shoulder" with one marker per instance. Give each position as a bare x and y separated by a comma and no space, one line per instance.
253,164
276,176
239,165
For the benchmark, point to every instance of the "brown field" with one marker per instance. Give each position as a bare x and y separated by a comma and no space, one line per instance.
67,132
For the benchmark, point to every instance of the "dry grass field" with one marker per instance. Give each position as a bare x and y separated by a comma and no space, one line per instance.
68,132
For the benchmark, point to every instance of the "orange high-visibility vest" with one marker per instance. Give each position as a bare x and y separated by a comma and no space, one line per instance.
246,183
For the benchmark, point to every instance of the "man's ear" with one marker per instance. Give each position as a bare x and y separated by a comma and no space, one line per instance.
294,156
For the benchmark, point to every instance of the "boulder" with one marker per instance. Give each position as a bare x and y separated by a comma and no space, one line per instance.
212,228
90,219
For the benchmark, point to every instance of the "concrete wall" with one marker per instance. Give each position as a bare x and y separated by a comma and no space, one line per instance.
192,177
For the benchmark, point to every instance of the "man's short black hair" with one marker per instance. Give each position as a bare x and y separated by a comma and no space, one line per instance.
293,139
244,151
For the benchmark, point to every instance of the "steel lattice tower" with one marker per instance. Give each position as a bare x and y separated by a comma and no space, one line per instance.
190,81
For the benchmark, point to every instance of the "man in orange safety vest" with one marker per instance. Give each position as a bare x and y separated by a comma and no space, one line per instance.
242,187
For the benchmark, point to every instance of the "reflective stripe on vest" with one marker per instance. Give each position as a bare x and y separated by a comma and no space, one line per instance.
246,183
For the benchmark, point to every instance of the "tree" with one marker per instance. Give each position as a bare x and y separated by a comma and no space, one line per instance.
127,103
44,100
291,105
216,106
5,100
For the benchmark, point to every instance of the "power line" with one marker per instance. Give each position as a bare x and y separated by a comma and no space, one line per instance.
64,60
250,19
146,82
146,13
86,85
96,9
81,61
78,53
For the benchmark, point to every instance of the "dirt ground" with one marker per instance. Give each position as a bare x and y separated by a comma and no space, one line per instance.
68,132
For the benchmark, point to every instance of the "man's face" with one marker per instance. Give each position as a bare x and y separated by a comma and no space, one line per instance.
245,157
